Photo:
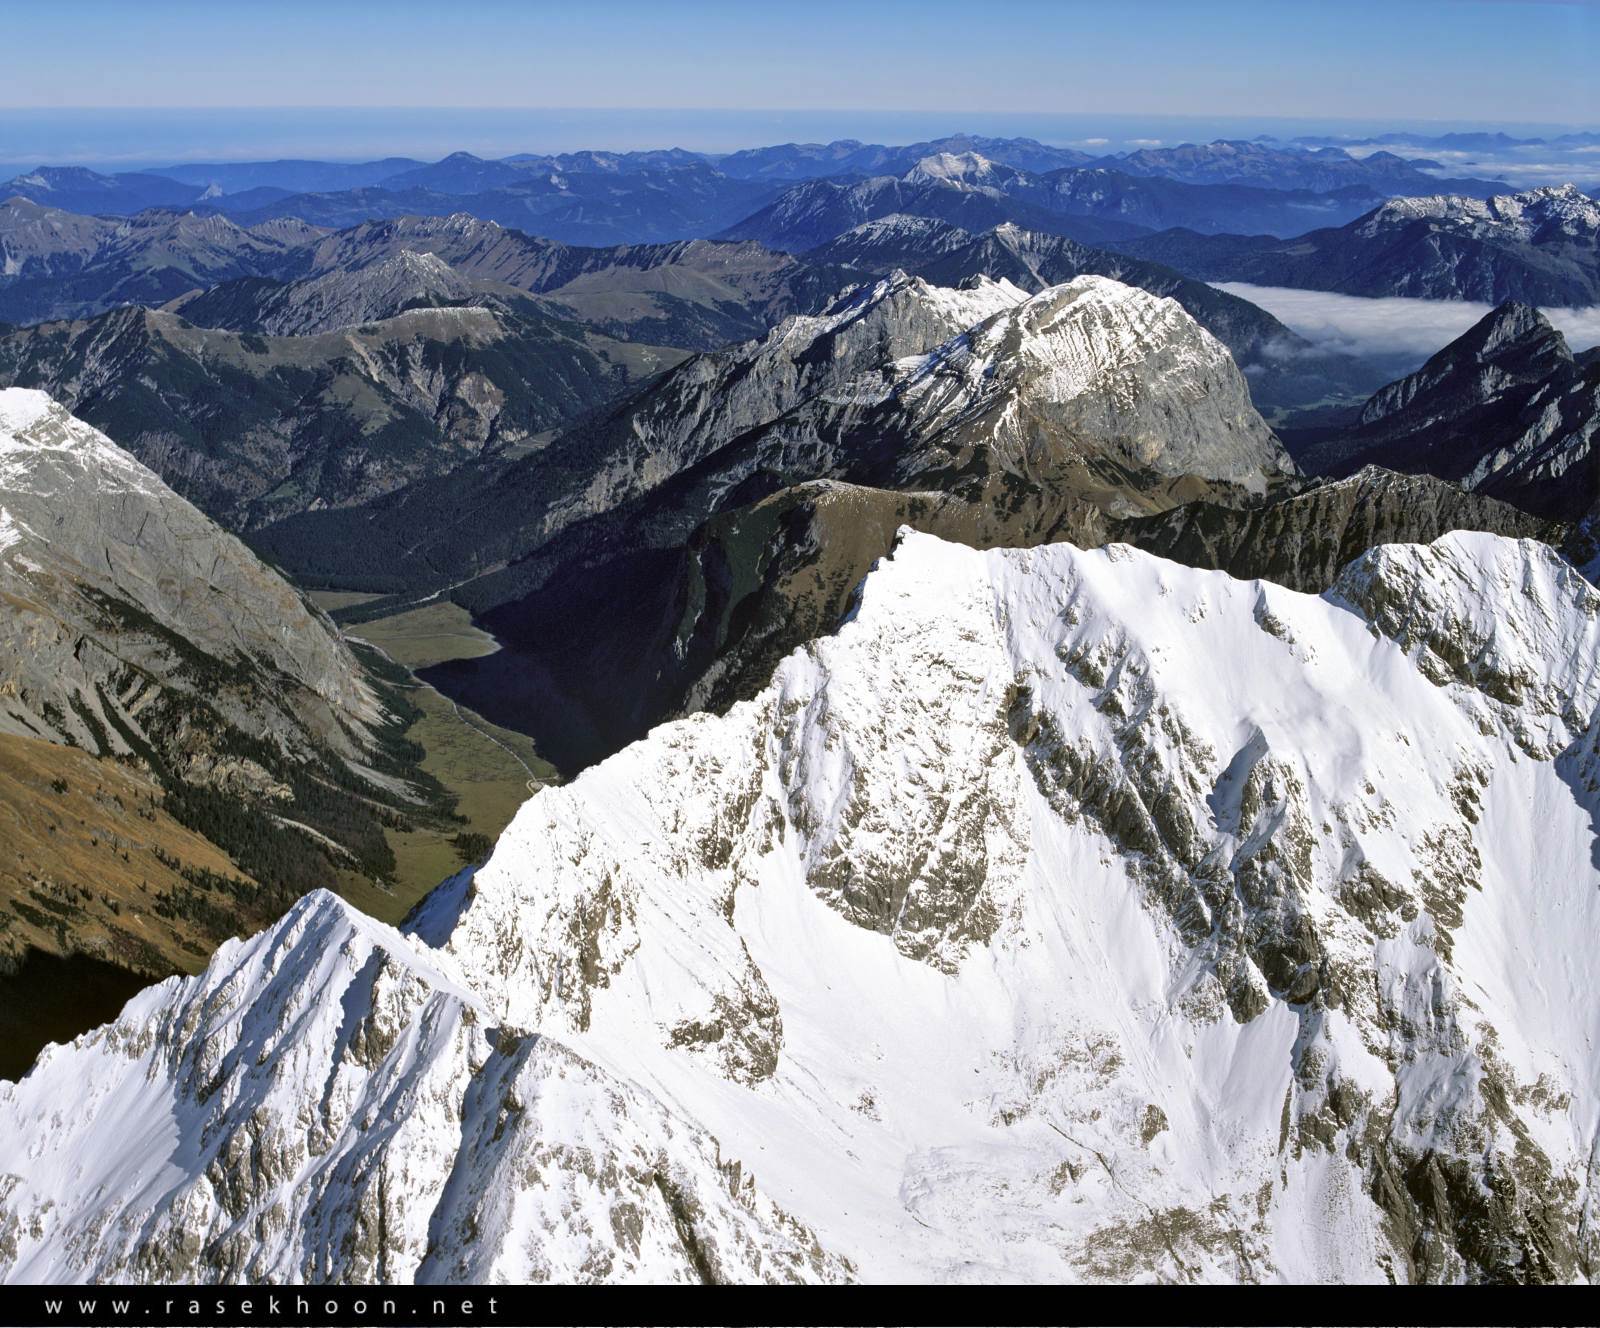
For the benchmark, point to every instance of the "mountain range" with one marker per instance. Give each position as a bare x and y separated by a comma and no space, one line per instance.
986,414
1030,767
600,198
1541,246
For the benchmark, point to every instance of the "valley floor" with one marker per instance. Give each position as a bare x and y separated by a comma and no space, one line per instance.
488,768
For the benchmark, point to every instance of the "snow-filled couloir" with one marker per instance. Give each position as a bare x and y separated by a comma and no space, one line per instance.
1066,914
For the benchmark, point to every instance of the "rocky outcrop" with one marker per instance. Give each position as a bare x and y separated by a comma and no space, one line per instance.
506,1137
1304,538
1505,410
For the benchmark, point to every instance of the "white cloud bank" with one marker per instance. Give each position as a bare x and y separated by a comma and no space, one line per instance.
1392,327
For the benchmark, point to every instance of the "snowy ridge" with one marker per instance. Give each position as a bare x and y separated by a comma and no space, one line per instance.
360,1120
1065,915
957,308
1532,216
37,435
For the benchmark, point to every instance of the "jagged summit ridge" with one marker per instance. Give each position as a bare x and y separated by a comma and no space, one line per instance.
1512,344
1531,216
395,1164
1066,915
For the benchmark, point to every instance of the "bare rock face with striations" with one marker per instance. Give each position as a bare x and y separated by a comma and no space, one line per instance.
99,558
1128,373
197,687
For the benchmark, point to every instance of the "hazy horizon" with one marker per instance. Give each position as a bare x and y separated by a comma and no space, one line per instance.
142,138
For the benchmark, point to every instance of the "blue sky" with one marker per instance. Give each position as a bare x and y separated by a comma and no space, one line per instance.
1450,60
123,85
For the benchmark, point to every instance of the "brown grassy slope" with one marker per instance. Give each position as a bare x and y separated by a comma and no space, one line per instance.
88,861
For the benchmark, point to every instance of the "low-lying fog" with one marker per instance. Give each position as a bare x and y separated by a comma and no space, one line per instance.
1391,328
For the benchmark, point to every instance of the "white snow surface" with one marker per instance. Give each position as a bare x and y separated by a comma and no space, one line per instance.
11,531
1066,915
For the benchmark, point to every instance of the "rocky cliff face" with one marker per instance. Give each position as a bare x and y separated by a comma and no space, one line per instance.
1505,410
499,514
254,428
1131,375
710,400
90,536
1067,915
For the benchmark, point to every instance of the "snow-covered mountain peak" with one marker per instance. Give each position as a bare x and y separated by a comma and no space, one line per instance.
1126,368
1532,216
1066,915
1081,335
955,168
327,1102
